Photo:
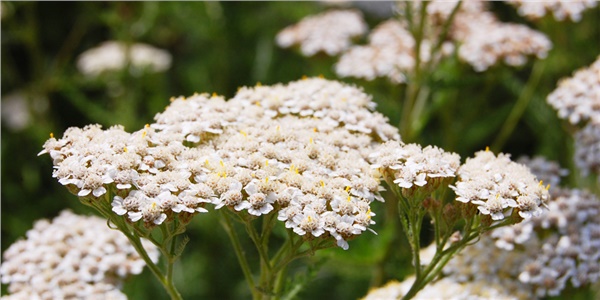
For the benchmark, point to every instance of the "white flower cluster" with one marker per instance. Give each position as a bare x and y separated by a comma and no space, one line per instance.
485,40
587,149
390,53
544,253
413,167
330,32
329,103
499,186
298,150
577,98
114,56
72,257
481,39
547,171
561,9
445,288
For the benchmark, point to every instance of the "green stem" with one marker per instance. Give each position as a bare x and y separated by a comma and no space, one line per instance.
171,261
258,242
522,102
414,79
103,206
237,247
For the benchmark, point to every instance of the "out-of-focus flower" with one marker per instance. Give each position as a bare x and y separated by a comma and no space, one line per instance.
561,9
71,257
330,32
533,259
15,111
577,98
587,149
390,53
543,252
485,41
20,107
445,288
549,172
499,187
114,56
481,39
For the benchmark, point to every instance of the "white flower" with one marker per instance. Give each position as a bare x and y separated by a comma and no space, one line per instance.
71,257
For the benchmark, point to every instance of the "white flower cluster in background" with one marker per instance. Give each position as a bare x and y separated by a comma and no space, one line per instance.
534,259
388,54
561,9
115,56
547,171
71,257
577,98
484,40
411,166
541,254
330,32
298,150
499,186
480,38
445,288
587,149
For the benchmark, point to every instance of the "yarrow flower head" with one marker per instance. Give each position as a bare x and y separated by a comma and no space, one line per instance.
114,56
445,288
479,37
577,98
415,169
544,253
298,150
499,187
330,32
560,9
533,259
390,53
71,257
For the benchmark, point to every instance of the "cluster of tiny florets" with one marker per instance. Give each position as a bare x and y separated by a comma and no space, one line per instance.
115,56
542,254
485,40
298,150
560,9
71,257
547,171
444,288
330,104
412,167
499,186
330,32
577,98
480,38
587,149
389,53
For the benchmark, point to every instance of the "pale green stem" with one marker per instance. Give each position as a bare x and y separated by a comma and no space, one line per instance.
522,102
414,80
237,247
166,281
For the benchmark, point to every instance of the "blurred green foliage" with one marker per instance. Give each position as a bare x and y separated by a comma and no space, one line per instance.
218,47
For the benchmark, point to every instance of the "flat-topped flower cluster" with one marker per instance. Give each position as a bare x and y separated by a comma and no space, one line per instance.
298,150
499,186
